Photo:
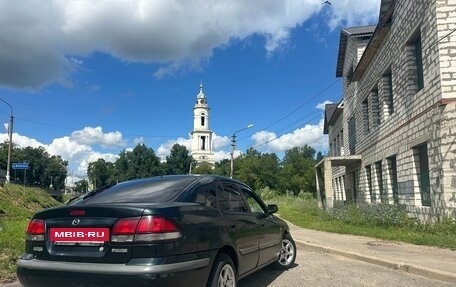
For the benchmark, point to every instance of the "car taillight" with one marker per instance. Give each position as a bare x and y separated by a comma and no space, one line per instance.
35,230
124,230
144,229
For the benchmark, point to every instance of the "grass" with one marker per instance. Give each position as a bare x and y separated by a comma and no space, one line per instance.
379,221
17,205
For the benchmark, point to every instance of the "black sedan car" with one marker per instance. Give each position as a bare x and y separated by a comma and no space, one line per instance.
186,230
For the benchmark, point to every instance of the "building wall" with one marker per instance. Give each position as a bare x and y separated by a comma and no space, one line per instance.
425,117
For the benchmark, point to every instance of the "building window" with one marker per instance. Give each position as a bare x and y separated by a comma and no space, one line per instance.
388,93
354,187
203,120
419,63
422,171
375,107
203,143
379,176
416,57
351,135
392,174
341,143
369,183
365,104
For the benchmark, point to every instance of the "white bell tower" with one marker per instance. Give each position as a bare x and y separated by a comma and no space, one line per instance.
201,134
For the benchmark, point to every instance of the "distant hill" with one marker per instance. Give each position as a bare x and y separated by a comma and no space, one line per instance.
17,205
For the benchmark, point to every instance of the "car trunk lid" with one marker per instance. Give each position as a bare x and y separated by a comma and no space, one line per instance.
91,233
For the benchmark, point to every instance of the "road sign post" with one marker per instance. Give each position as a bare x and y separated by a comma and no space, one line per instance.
21,165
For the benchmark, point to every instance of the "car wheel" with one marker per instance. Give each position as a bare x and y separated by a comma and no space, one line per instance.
287,253
223,273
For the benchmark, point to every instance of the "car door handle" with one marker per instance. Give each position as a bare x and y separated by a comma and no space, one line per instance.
232,226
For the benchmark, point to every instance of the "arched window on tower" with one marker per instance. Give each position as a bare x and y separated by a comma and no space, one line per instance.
203,120
203,143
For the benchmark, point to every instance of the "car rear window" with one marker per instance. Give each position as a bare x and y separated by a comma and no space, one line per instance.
159,189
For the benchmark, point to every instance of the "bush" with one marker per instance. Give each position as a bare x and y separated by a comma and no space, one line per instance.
384,215
266,193
306,196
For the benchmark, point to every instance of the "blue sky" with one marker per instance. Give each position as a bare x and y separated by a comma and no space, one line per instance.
87,79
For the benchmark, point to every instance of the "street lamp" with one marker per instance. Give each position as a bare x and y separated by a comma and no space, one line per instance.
233,147
10,142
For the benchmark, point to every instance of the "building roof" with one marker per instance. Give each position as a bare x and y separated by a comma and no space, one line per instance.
384,24
344,35
384,7
329,111
384,19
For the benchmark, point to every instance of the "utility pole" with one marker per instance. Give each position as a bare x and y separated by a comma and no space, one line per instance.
10,141
233,147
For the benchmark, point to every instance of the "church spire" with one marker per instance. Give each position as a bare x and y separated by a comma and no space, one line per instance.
201,93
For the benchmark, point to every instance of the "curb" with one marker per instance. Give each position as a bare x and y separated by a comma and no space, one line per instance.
413,269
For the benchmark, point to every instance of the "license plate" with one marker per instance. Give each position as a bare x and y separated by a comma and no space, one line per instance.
88,235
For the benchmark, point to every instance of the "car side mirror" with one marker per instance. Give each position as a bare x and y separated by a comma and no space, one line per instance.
272,208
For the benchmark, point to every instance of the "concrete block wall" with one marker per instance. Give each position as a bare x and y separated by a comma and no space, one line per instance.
427,116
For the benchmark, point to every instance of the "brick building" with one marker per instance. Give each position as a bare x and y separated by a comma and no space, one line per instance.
392,137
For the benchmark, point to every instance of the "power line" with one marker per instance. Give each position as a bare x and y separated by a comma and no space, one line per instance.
302,105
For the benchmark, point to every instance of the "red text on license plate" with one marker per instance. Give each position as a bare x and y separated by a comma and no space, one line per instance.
79,234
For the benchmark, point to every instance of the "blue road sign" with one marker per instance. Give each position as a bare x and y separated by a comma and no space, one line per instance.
20,165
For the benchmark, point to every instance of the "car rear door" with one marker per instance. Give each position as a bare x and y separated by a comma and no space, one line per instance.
242,225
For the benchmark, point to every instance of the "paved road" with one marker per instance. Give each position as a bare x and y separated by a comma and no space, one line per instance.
327,270
319,269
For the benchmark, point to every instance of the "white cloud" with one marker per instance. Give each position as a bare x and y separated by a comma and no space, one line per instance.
349,13
77,149
220,142
221,155
21,141
311,135
81,169
92,136
165,148
177,34
139,140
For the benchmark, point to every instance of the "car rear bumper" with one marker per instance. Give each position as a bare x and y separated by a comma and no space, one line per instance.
38,273
132,268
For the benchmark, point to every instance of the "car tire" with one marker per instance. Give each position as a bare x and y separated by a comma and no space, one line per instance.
223,272
287,253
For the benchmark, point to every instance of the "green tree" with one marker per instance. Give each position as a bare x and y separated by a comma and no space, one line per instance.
298,172
203,168
179,160
222,167
257,170
139,163
43,168
3,154
144,163
54,174
81,186
98,172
